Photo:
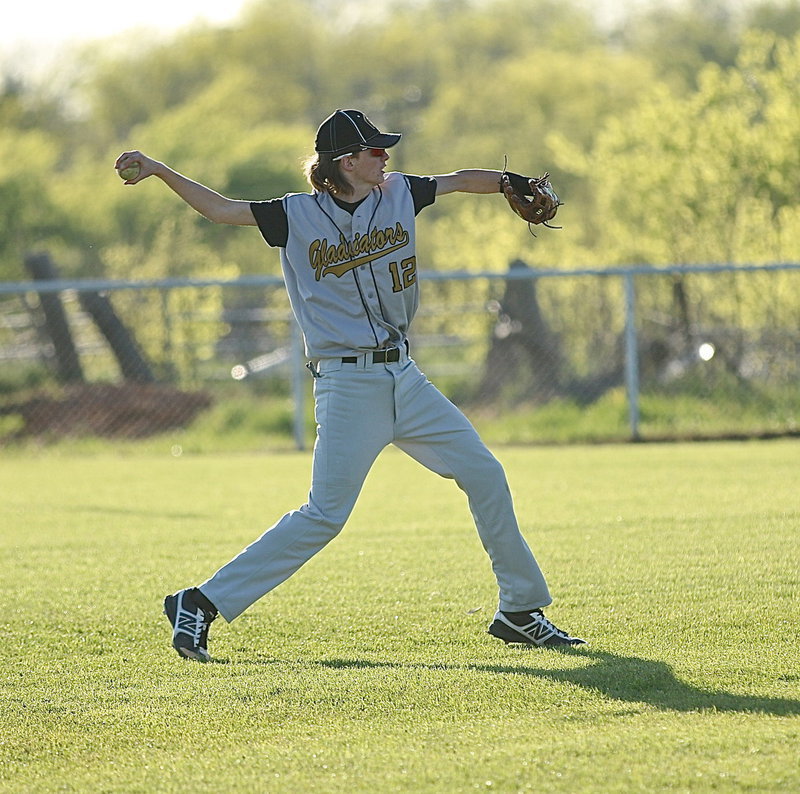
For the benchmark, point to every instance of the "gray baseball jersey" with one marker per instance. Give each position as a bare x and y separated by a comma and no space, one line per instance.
351,278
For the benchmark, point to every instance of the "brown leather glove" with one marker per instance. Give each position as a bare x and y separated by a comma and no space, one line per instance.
542,205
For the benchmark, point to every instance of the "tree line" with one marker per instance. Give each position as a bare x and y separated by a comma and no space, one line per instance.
671,138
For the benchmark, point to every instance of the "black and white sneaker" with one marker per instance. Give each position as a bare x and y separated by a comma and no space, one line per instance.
190,623
531,628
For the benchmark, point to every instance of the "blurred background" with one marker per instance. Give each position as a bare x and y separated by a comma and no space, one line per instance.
668,306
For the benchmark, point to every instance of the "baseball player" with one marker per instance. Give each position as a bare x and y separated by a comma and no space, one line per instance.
347,251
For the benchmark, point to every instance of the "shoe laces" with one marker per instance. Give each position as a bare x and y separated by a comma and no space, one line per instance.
539,617
199,625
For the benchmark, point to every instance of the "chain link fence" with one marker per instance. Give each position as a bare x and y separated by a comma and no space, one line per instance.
531,356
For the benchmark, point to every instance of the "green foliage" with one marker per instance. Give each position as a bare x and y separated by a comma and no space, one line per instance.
780,17
685,125
29,218
711,176
680,39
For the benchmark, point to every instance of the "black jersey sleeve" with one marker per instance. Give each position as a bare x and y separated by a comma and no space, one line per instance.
272,221
423,191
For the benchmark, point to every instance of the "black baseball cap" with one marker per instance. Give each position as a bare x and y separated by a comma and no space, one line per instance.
346,131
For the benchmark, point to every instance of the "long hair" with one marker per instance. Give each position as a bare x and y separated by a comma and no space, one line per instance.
324,174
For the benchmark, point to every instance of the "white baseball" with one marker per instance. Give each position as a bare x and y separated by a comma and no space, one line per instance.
130,172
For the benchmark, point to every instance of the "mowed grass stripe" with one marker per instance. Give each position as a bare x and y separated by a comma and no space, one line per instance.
370,670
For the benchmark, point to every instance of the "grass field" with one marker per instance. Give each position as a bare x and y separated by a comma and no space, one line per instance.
371,670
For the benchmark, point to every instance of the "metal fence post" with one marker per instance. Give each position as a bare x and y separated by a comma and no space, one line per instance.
631,356
298,386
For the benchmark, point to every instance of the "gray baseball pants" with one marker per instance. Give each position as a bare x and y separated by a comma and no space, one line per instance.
360,409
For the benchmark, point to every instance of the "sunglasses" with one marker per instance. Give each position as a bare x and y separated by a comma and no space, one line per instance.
373,152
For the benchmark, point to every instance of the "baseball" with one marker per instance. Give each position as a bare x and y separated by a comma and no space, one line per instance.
131,172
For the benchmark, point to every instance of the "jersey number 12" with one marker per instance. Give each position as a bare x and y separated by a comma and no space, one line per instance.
405,275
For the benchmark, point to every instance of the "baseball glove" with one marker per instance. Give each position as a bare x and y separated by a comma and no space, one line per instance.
542,205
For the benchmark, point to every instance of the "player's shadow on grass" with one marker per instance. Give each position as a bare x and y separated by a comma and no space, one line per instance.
634,680
628,679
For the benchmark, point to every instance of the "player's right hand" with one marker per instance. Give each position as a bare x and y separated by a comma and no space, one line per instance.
147,166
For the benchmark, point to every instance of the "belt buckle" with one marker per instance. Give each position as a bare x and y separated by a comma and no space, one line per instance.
386,356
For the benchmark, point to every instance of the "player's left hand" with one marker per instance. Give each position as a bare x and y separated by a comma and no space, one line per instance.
540,207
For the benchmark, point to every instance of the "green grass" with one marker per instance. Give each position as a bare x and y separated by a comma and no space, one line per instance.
678,415
370,670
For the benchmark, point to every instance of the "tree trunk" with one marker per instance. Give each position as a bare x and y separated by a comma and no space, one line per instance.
524,359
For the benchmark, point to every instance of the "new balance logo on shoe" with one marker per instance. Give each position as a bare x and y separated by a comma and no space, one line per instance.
536,630
190,624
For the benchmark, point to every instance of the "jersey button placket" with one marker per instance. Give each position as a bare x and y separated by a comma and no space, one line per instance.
360,227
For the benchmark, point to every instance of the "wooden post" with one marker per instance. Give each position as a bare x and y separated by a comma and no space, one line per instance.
126,351
41,268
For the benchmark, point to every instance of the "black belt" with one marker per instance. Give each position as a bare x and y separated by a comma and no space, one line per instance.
378,357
